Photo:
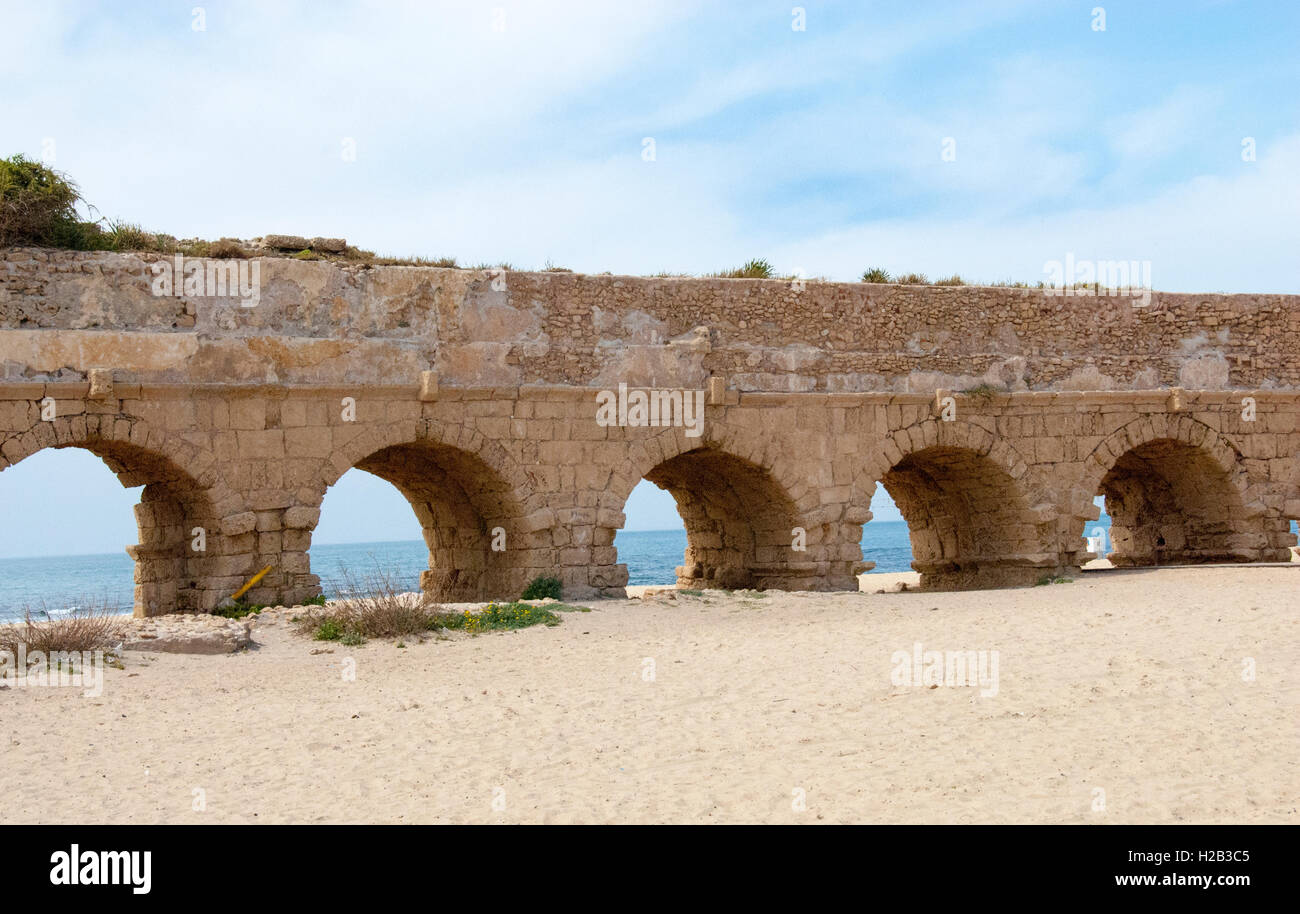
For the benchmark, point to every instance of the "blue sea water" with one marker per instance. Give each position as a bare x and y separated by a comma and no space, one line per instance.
59,583
56,583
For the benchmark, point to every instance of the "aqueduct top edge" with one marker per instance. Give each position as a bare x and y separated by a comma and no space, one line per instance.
324,324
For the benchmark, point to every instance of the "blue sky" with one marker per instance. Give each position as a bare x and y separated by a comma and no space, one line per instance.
817,149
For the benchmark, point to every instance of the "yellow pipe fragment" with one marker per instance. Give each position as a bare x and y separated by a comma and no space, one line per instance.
252,582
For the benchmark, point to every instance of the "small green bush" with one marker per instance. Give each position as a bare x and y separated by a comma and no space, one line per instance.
496,617
329,630
37,205
542,588
239,610
1047,579
754,269
875,274
126,236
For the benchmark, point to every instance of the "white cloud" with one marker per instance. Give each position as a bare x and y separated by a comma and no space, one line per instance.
1236,234
523,145
1154,132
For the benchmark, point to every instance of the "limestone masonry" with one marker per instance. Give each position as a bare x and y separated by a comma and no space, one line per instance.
993,416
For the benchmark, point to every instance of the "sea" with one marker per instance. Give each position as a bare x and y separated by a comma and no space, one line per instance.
56,585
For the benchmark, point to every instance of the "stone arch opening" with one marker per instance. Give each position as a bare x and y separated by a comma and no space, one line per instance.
969,523
740,522
652,540
1173,503
180,546
366,532
469,516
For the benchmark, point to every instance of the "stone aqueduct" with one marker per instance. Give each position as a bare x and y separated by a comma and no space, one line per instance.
475,394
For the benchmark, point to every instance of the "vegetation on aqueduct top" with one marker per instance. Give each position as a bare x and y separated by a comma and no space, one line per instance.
39,206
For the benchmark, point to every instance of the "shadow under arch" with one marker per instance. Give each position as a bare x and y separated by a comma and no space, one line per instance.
739,522
471,519
971,519
182,561
746,525
1176,495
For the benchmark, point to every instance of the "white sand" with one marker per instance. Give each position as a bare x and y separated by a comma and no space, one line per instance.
1127,682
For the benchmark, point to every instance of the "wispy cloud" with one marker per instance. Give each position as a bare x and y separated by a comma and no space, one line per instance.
520,138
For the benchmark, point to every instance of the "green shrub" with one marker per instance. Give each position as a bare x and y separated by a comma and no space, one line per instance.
542,588
239,610
875,274
1047,579
374,606
126,236
496,617
37,204
754,269
329,630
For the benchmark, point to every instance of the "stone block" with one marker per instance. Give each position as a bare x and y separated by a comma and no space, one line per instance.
286,242
300,517
428,386
236,524
101,383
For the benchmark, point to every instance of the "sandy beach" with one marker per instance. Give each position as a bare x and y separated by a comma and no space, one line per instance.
1120,698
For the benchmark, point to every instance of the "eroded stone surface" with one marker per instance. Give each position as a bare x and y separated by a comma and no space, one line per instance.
189,634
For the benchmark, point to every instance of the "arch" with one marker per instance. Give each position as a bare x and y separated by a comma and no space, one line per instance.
370,439
184,562
972,519
471,512
1178,493
933,432
750,522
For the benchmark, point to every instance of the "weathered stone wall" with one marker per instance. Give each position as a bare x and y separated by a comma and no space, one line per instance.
318,322
480,406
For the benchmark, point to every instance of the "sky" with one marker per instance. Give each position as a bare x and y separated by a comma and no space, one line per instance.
985,139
